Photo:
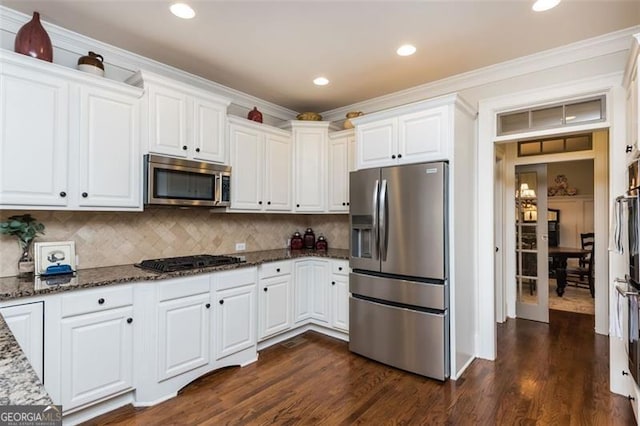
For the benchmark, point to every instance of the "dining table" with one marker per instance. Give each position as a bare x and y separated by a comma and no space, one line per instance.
560,256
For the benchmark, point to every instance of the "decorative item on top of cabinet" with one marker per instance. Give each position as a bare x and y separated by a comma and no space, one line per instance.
33,40
92,63
309,239
255,115
297,243
309,116
353,114
322,243
25,228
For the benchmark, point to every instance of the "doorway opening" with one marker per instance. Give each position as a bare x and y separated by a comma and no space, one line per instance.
554,225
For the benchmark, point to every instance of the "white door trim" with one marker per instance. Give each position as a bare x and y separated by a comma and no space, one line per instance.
609,85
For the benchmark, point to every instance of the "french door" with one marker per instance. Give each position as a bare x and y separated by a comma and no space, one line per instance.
532,268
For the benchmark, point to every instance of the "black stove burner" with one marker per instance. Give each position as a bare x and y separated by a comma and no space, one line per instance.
183,263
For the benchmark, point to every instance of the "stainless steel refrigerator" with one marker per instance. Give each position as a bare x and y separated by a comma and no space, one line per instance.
399,305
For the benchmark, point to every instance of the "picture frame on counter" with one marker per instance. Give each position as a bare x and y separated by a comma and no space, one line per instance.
54,258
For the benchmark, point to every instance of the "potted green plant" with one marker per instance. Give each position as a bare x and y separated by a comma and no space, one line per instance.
25,228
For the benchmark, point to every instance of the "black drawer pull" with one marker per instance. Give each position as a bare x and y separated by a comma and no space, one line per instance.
266,289
222,302
129,320
399,155
269,203
297,205
277,269
624,373
197,149
260,202
333,283
101,301
63,194
184,147
85,195
208,305
393,157
630,398
339,268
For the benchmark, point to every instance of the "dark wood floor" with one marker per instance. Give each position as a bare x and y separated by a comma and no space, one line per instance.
554,374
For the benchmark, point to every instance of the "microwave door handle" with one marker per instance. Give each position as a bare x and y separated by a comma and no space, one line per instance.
384,227
217,189
374,208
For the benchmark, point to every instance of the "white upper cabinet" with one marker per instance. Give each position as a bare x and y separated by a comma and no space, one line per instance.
182,120
109,137
34,119
341,162
69,140
422,131
310,165
261,163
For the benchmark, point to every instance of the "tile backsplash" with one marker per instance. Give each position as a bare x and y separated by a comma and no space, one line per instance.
119,238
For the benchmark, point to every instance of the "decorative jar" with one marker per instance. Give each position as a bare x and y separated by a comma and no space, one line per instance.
296,241
33,40
309,239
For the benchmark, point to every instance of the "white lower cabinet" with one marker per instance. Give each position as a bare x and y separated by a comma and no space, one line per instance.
311,290
96,345
275,313
183,334
26,322
340,295
236,311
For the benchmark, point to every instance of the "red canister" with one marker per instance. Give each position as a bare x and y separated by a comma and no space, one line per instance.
296,241
322,243
309,239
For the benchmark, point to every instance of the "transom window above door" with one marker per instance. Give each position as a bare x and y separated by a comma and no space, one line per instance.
555,145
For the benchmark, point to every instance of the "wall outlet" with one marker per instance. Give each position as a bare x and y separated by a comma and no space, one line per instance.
241,246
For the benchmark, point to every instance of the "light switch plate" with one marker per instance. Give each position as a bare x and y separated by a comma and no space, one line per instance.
241,246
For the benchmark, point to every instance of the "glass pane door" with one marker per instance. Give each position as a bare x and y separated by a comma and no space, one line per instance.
532,269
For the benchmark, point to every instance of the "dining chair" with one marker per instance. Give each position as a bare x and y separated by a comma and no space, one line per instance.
585,268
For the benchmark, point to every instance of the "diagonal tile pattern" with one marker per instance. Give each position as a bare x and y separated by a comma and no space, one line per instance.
119,238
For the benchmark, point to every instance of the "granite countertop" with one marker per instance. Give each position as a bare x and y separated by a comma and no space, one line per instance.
15,288
19,384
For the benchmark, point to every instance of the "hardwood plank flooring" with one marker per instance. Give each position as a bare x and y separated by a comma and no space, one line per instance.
555,374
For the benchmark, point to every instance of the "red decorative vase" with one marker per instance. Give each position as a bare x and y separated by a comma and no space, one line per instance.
33,40
255,115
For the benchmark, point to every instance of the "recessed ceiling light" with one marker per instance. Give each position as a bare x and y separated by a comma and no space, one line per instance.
182,10
320,81
542,5
406,50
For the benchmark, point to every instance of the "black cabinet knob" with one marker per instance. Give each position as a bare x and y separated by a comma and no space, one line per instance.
197,149
333,283
297,205
222,302
184,147
265,289
85,195
260,202
399,155
630,398
393,157
347,203
277,269
624,373
129,320
63,194
629,148
339,268
101,301
208,305
344,204
268,203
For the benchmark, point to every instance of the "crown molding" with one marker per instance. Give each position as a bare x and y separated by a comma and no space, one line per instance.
64,39
579,51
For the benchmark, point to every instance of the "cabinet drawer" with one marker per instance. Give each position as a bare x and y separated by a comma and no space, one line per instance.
183,287
235,278
340,267
86,301
274,269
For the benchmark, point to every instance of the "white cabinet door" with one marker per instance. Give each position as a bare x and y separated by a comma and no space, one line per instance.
96,356
338,174
277,177
26,322
423,135
340,302
303,277
377,144
235,320
320,291
109,154
351,154
183,334
167,121
209,125
34,137
274,305
310,169
246,163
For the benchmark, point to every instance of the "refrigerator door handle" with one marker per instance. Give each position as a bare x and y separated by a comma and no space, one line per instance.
374,208
383,221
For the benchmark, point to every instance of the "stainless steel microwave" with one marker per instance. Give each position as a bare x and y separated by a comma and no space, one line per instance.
179,182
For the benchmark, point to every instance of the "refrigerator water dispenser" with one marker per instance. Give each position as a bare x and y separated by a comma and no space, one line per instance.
362,238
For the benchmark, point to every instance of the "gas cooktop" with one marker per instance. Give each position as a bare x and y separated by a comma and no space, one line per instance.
183,263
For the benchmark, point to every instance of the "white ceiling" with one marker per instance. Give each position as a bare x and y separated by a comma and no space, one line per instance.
274,49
